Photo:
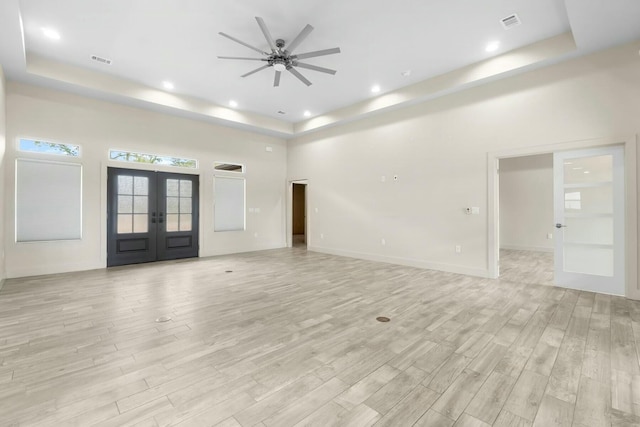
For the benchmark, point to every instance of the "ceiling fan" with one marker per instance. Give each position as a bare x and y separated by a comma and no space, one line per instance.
281,58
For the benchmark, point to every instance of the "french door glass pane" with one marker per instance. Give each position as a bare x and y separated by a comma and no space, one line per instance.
140,224
173,206
185,222
125,204
125,224
178,205
125,184
141,186
173,187
185,205
133,199
185,188
172,222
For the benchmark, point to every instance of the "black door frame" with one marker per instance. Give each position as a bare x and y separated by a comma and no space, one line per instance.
157,244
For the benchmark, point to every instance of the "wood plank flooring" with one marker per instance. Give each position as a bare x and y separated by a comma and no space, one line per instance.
289,338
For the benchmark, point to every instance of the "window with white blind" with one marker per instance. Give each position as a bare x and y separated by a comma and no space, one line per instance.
48,200
229,202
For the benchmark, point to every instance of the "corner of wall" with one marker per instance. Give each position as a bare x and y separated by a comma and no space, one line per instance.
3,132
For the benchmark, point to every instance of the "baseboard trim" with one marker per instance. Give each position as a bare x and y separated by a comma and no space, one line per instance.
58,269
458,269
526,248
244,251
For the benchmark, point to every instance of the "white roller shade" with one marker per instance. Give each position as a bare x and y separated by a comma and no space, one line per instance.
48,200
229,209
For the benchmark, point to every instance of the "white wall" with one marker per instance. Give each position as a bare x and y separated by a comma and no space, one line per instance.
98,126
526,202
439,152
2,171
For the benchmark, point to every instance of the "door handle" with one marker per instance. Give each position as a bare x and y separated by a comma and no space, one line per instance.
153,217
161,218
558,225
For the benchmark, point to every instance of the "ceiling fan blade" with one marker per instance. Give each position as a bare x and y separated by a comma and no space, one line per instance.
299,38
242,43
267,34
302,78
276,79
317,53
255,71
315,68
243,58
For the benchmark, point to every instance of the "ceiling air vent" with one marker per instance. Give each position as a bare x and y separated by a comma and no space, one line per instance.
510,21
281,112
101,59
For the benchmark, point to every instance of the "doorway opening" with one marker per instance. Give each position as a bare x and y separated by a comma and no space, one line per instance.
595,214
299,216
526,219
152,216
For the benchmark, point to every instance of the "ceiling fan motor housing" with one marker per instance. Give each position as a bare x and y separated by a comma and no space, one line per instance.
282,59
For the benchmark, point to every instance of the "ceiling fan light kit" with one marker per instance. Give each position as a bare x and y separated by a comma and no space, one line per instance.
283,58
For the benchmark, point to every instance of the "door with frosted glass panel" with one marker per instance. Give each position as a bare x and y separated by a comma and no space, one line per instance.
589,216
151,216
178,203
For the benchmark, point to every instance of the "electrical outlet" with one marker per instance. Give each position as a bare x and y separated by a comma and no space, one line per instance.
383,242
255,234
383,178
458,249
549,236
321,236
269,149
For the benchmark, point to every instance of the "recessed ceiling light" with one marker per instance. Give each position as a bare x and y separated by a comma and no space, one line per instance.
406,73
587,172
492,47
307,113
167,85
375,89
51,33
576,168
233,104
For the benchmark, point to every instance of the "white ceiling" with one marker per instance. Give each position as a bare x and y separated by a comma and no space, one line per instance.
151,41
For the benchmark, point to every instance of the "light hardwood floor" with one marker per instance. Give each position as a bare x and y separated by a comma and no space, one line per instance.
289,338
526,266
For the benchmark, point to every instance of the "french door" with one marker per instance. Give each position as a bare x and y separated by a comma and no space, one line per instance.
589,216
152,216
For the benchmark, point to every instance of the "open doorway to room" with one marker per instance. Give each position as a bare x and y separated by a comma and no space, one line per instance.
299,216
594,221
526,219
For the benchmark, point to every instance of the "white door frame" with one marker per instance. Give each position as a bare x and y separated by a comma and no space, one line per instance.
632,288
289,228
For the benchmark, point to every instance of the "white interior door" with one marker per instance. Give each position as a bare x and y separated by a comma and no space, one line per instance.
589,215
